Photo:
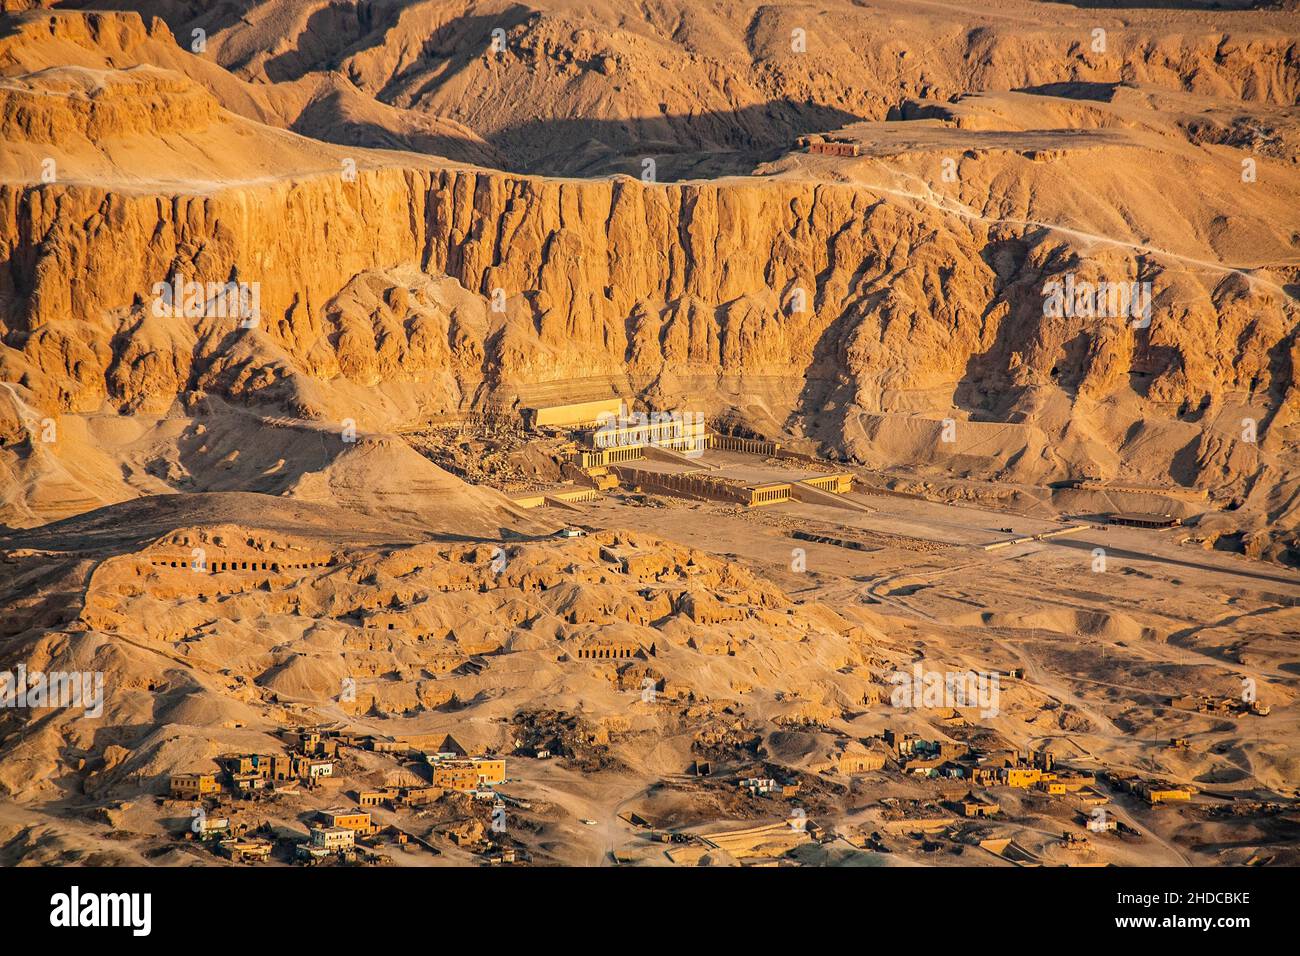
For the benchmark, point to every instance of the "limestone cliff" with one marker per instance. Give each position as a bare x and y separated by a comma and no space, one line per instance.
393,286
597,280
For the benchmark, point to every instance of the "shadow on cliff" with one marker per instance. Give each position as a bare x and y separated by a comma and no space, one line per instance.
828,390
323,120
698,146
694,145
985,389
339,31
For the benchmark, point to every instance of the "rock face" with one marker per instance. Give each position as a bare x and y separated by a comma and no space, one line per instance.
806,300
697,282
699,276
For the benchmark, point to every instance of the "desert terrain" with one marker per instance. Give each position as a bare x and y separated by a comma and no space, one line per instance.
597,434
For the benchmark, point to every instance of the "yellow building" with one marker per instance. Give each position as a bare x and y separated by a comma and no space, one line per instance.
572,415
192,786
357,820
469,773
1022,777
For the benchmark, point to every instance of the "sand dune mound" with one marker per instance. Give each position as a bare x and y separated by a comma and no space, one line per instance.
130,523
386,477
1113,626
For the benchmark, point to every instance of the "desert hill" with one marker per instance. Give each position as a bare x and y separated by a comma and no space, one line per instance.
593,87
395,286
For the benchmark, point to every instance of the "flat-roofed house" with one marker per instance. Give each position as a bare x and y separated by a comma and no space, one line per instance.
355,820
333,839
192,786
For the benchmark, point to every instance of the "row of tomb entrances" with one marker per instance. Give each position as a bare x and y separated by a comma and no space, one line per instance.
212,567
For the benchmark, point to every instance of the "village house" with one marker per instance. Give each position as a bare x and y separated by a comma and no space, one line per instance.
935,766
312,769
1164,793
395,797
208,828
192,786
1219,706
1073,780
254,850
820,145
259,771
922,766
851,758
460,776
248,782
1153,791
333,839
973,805
1027,770
855,759
758,785
341,818
1092,797
256,766
901,745
467,773
1024,777
910,745
312,743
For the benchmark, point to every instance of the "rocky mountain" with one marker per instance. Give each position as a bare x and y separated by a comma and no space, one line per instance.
854,302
